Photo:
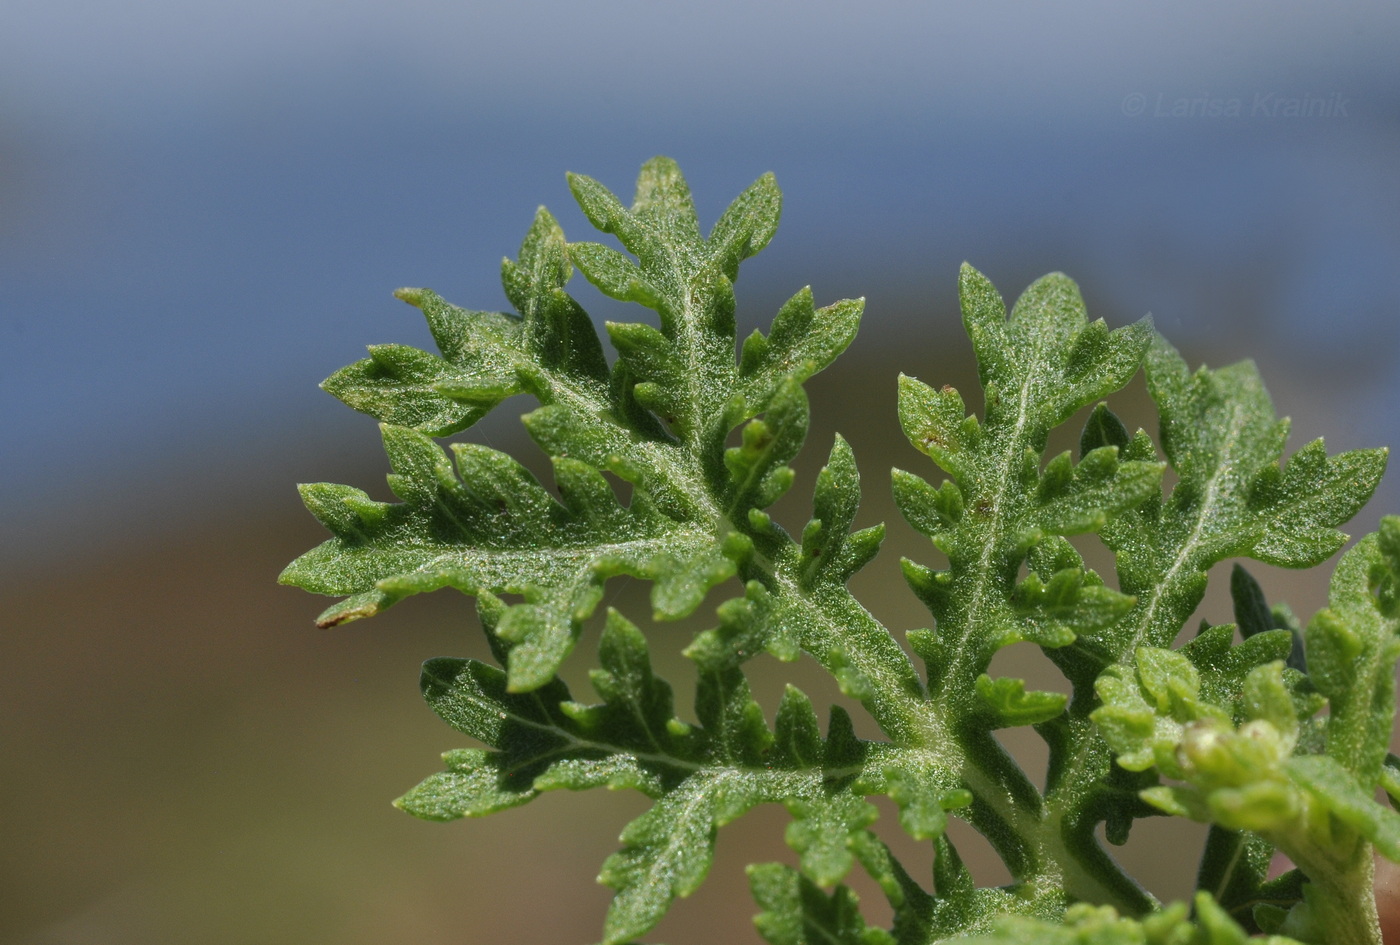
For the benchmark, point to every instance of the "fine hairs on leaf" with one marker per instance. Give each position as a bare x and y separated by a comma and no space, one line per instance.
1272,732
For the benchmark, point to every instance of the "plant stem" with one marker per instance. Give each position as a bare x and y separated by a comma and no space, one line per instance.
1340,902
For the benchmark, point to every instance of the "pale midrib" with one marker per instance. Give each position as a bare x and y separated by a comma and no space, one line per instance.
574,743
662,456
1192,543
922,716
1057,804
690,344
935,738
1003,488
572,554
1027,824
890,685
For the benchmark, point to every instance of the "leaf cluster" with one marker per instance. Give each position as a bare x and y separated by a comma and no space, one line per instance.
702,430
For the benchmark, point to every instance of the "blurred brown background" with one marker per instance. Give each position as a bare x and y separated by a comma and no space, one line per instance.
204,207
189,760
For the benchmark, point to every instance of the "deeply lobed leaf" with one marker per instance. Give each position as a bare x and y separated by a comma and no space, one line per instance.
1234,728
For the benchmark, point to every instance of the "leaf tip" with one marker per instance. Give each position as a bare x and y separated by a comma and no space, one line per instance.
412,296
335,616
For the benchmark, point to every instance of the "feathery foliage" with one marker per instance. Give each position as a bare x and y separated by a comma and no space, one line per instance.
1230,734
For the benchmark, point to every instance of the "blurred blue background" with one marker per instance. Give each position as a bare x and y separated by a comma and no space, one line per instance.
204,208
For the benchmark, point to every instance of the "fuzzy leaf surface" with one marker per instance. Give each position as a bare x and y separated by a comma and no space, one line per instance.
703,435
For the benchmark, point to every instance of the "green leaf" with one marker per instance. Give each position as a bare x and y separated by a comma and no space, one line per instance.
1330,782
667,852
1096,925
1037,367
797,912
404,386
758,466
537,746
1103,428
935,421
748,224
1011,705
804,339
638,709
1254,616
820,830
476,783
1234,870
614,274
1047,339
1233,498
1353,647
798,741
487,525
1224,667
831,553
1147,707
485,356
923,793
704,444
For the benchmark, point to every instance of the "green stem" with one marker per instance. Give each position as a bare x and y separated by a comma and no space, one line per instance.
1346,906
1340,898
1039,846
